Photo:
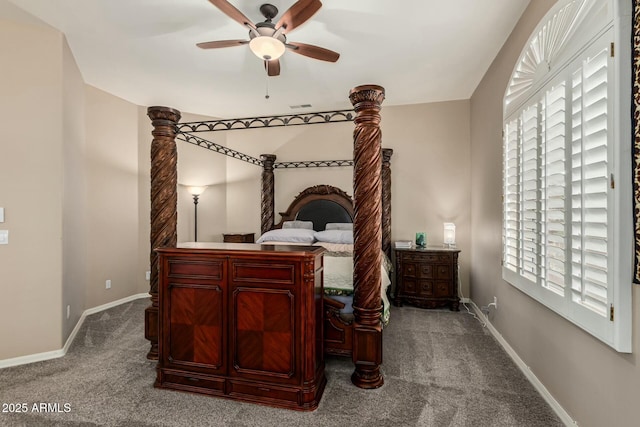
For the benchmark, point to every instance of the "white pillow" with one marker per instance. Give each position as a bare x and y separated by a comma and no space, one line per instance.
335,236
339,226
298,224
294,235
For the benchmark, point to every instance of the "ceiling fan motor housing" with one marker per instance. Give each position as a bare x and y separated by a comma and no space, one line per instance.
267,28
269,11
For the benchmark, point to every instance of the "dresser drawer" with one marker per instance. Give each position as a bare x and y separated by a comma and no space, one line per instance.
195,269
443,289
190,381
419,257
263,391
443,272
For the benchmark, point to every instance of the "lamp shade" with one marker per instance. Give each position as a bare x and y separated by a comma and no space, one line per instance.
266,47
449,233
196,191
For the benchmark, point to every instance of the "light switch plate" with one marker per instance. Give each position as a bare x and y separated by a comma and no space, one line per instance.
4,237
1,214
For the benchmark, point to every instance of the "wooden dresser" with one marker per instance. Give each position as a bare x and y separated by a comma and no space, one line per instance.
242,322
426,277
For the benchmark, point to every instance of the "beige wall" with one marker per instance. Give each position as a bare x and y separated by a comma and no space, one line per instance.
31,105
112,199
69,186
74,209
144,193
198,166
430,175
596,385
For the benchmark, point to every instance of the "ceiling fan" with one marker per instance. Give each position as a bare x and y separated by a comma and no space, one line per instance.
268,41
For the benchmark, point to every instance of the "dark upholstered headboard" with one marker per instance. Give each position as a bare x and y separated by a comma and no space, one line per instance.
321,212
321,204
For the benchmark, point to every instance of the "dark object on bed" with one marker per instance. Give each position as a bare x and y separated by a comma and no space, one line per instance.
238,237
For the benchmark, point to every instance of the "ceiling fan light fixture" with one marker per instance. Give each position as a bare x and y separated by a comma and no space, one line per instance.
266,47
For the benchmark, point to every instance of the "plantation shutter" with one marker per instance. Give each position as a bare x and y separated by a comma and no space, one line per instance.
590,185
529,234
553,185
511,228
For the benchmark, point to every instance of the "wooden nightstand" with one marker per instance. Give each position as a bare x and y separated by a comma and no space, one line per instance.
426,277
238,237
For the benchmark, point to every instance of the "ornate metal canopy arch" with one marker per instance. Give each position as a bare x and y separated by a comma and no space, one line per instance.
267,121
185,132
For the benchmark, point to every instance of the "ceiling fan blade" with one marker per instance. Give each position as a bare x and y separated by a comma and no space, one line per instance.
298,14
221,43
312,51
233,13
272,67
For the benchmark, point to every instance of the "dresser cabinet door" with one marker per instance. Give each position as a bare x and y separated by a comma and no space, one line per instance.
195,318
263,308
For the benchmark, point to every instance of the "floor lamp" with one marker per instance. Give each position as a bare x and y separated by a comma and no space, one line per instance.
196,192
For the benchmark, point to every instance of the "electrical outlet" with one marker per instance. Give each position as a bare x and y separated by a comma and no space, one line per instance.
68,311
147,275
495,302
108,284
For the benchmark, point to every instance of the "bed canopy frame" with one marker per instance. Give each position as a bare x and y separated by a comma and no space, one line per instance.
369,215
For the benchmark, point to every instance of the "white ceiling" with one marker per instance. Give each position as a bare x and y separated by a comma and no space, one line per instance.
144,51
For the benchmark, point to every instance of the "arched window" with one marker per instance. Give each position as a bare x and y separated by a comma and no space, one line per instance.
567,227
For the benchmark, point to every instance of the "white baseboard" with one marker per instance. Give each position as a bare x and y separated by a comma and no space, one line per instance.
38,357
526,370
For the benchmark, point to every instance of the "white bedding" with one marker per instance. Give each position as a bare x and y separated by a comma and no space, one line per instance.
338,281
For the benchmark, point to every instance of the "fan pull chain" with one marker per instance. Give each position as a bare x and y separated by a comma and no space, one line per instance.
266,96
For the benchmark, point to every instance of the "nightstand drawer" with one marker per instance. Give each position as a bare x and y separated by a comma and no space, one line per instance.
443,289
426,288
417,257
443,272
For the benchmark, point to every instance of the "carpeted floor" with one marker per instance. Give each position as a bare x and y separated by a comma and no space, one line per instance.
441,369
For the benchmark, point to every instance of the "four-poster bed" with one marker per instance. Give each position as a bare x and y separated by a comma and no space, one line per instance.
365,330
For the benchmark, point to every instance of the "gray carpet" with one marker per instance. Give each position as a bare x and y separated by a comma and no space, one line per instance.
441,369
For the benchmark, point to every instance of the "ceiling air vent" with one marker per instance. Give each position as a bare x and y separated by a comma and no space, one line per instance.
293,107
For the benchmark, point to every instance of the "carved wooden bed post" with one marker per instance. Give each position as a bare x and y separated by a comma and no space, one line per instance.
386,200
367,236
164,200
267,205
